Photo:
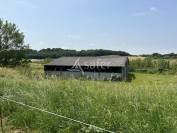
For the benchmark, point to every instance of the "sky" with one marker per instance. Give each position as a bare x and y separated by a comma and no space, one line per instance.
135,26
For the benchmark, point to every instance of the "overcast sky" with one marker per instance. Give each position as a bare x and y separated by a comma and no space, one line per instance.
135,26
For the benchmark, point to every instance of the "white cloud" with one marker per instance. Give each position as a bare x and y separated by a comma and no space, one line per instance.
153,9
65,47
145,13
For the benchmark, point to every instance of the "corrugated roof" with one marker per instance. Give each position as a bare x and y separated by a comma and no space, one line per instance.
112,60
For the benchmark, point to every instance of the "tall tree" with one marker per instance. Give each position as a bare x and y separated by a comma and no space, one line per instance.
11,44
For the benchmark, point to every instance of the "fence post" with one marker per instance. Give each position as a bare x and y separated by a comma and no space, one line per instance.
1,117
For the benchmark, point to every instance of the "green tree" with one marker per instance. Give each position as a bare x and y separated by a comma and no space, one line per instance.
11,44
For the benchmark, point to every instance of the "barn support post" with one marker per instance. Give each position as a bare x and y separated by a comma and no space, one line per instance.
127,70
122,73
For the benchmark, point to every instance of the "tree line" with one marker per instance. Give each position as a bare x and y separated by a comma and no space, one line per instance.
161,56
58,52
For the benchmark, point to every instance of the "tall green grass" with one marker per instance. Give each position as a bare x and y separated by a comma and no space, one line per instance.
147,104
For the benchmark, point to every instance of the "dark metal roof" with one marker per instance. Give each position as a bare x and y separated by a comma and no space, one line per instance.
112,60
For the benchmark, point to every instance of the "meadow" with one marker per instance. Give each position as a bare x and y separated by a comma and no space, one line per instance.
146,104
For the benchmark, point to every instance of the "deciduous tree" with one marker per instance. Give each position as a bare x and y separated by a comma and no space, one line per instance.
11,44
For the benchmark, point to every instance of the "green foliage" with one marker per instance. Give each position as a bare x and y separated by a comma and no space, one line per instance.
147,63
12,58
11,45
162,56
58,52
151,65
173,66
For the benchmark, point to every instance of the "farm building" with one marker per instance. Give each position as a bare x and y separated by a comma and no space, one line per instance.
98,68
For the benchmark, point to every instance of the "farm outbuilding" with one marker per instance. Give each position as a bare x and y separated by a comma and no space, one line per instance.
98,68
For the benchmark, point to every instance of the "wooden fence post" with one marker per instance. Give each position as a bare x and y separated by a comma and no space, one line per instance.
1,119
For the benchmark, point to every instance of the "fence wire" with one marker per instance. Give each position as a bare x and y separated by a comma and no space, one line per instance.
54,114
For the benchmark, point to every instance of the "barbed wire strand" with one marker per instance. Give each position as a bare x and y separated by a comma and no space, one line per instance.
51,113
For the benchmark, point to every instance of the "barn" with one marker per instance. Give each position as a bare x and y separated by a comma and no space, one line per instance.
112,67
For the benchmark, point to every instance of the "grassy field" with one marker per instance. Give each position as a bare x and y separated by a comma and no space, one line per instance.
135,57
147,104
